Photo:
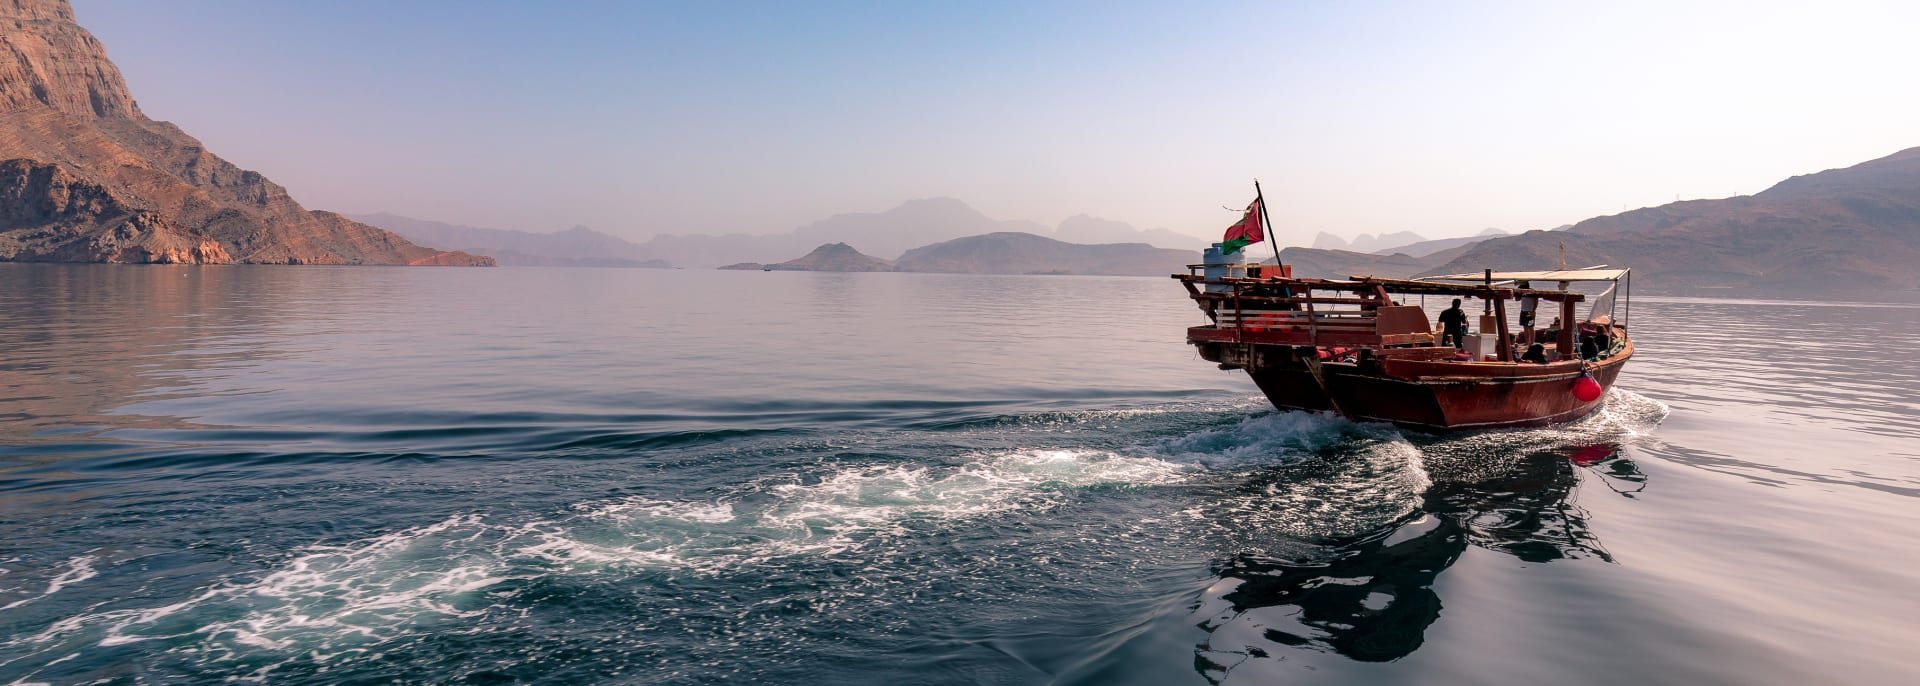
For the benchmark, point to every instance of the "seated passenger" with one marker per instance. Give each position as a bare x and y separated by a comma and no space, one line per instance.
1536,354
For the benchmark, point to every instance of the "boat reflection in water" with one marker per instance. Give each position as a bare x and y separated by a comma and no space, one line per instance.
1372,599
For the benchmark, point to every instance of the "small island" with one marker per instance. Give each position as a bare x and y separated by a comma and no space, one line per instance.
832,257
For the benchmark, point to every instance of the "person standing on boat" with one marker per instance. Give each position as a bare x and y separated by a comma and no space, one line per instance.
1453,323
1528,305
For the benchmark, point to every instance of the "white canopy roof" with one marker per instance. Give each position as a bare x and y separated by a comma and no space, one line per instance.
1550,275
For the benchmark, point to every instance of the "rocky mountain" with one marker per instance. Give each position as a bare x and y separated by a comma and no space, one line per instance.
575,247
88,177
1010,252
1853,230
832,257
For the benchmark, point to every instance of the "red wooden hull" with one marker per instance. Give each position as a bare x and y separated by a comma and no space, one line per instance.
1436,396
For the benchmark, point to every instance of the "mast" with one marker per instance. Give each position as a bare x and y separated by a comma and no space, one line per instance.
1272,242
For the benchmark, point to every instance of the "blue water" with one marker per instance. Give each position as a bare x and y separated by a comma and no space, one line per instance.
359,475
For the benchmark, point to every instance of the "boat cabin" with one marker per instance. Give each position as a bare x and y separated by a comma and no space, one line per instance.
1364,316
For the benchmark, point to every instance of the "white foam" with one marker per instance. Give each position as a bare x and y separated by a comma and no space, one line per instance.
842,511
324,601
78,569
1267,439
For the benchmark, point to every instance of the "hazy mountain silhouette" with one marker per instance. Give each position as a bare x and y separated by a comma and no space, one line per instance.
913,224
1320,263
1428,248
1025,253
1367,242
1853,230
1086,229
575,247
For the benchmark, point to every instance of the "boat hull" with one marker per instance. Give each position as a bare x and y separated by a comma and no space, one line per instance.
1436,396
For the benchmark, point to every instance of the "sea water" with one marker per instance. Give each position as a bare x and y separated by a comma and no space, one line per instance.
358,475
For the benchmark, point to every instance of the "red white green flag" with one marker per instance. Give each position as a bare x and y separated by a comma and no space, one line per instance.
1245,232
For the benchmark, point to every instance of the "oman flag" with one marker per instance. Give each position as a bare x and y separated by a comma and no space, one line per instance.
1245,232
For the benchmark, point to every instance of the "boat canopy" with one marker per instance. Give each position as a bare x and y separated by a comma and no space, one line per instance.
1550,275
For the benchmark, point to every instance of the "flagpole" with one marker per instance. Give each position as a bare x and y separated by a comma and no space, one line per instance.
1268,223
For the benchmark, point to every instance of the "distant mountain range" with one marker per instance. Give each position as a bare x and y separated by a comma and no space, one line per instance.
1846,229
1004,252
891,233
85,176
1428,248
1404,242
1366,242
1320,263
1853,230
1094,230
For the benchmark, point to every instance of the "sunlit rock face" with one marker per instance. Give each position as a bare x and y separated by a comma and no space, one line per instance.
100,182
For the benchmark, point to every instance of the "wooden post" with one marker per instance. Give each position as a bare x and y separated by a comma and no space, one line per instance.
1239,320
1566,343
1489,304
1506,339
1313,328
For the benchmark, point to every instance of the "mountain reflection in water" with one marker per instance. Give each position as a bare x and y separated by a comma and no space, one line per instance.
1371,598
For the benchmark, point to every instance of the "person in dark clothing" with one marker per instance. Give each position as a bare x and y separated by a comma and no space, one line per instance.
1589,346
1536,354
1453,323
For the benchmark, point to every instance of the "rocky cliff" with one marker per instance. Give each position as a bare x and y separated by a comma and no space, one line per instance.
97,181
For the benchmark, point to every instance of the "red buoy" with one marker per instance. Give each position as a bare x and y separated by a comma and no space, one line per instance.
1586,390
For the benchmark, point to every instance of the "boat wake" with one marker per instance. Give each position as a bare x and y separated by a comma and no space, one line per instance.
1188,480
326,603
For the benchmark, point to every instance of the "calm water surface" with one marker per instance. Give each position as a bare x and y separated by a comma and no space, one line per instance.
360,475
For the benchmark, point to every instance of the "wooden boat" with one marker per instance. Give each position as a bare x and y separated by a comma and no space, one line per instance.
1350,346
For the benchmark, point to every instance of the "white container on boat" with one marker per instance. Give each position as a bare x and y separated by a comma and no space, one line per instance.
1483,346
1219,266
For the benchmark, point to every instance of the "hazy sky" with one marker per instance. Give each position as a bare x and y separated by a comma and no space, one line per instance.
639,118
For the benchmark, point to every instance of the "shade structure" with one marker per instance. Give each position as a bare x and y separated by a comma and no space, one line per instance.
1549,275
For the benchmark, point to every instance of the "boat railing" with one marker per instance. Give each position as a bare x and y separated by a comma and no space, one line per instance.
1267,308
1283,311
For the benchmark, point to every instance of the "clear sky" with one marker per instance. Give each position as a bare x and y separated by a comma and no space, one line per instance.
635,118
